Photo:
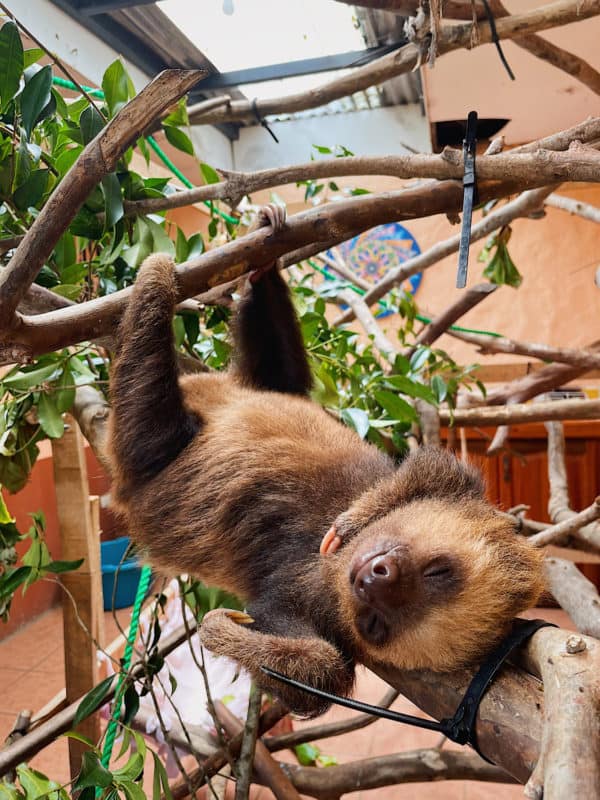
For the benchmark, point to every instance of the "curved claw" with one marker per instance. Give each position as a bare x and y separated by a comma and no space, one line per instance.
239,617
331,542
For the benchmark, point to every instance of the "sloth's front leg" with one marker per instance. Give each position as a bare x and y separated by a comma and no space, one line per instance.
308,659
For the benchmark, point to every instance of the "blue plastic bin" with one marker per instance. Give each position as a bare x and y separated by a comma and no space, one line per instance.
127,575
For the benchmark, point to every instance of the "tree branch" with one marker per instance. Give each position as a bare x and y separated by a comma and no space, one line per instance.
546,51
568,526
573,592
564,355
466,301
524,204
515,413
321,226
584,210
534,167
98,159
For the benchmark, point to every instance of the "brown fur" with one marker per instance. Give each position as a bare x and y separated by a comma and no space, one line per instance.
236,477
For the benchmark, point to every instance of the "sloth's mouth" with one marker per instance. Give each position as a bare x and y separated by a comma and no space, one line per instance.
372,626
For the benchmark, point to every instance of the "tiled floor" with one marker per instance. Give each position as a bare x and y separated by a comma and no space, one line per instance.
32,663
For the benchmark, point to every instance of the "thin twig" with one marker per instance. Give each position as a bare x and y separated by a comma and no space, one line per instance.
569,526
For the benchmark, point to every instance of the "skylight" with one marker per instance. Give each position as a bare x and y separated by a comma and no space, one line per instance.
263,32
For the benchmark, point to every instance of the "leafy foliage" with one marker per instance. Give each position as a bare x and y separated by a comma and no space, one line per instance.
500,268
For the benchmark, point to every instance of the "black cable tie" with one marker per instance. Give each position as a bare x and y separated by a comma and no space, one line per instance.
496,39
261,120
460,727
470,197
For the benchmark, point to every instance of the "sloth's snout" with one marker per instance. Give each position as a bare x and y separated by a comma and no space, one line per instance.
383,581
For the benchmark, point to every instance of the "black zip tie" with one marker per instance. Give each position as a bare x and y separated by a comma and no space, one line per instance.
470,198
262,121
460,727
496,39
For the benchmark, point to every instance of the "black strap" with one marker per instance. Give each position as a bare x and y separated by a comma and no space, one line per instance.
460,727
262,121
469,198
496,39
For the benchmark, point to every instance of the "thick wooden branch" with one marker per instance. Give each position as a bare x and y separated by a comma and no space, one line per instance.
584,210
453,9
451,37
564,355
578,596
569,762
521,412
524,204
98,159
579,163
321,226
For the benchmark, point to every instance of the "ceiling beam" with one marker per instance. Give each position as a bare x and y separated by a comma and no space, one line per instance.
92,7
292,69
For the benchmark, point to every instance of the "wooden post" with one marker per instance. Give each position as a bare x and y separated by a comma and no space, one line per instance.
79,534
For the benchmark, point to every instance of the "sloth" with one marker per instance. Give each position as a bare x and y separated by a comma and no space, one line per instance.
340,554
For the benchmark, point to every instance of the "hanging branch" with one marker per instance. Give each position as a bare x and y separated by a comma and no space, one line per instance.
451,37
98,159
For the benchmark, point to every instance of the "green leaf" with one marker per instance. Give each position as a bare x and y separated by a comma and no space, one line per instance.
29,193
179,139
92,700
209,174
36,784
57,567
113,202
321,149
132,790
92,772
5,516
132,704
11,63
35,97
307,754
161,242
22,381
11,581
64,395
132,769
31,56
69,290
50,417
357,419
91,123
439,388
395,406
411,388
116,85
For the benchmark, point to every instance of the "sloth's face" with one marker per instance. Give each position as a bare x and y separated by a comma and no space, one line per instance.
435,584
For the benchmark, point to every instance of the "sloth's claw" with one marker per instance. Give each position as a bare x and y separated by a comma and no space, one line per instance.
239,617
331,542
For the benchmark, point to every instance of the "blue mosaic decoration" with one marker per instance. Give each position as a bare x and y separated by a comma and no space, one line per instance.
372,254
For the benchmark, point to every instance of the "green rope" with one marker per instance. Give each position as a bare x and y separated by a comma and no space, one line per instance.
154,145
111,731
386,307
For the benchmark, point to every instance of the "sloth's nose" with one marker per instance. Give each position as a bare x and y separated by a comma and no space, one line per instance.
378,581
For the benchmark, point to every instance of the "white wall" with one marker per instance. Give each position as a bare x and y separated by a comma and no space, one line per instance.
379,131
